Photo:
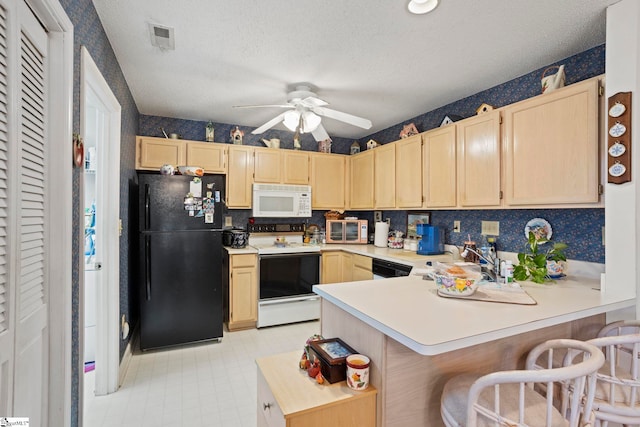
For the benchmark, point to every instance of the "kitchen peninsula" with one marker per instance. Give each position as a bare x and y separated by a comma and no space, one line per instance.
417,340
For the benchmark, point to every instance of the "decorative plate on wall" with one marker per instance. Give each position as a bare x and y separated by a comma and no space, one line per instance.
540,228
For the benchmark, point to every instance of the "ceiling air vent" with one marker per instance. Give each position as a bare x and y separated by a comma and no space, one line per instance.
162,36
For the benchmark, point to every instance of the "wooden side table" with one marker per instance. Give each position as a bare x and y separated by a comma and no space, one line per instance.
288,397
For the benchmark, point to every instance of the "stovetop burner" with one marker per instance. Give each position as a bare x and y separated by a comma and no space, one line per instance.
263,238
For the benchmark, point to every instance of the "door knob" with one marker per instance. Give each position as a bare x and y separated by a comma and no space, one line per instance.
97,266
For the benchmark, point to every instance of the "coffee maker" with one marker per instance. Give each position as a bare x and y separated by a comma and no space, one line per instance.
432,241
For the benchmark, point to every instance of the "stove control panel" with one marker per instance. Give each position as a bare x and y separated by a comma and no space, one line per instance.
275,228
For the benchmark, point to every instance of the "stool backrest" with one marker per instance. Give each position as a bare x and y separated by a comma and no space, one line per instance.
575,381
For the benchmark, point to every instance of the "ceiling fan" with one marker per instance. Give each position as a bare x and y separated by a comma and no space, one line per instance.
304,112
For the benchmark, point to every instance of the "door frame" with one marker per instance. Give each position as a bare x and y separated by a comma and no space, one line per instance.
107,223
60,205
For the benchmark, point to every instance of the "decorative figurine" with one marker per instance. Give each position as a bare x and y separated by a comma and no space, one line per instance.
484,108
296,142
408,130
271,143
236,136
209,132
371,144
324,146
355,148
449,118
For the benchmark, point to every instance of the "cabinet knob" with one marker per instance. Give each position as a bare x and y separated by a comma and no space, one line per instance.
266,406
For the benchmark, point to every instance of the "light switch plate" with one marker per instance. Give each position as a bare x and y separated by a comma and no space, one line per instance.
228,221
377,216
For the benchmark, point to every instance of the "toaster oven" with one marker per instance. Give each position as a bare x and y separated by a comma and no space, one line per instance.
347,231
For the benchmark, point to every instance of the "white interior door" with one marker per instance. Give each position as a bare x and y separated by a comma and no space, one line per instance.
100,121
30,265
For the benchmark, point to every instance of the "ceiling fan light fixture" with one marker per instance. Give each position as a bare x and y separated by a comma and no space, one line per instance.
311,121
420,7
291,120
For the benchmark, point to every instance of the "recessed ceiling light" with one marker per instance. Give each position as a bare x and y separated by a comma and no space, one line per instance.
420,7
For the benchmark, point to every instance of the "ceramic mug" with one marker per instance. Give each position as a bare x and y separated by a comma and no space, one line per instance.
358,371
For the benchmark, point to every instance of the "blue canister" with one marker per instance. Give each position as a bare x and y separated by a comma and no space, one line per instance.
432,241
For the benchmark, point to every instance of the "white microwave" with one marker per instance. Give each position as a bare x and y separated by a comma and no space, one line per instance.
281,201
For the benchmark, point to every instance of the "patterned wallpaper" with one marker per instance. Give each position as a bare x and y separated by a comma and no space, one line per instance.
581,229
88,32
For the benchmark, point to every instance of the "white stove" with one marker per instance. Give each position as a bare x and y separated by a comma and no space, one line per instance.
287,271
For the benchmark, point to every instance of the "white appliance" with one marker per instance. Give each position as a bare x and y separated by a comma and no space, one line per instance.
281,201
287,272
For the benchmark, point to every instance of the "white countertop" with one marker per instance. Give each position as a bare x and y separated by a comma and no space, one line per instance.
400,256
409,310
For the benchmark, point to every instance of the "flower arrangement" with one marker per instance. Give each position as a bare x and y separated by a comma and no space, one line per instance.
532,264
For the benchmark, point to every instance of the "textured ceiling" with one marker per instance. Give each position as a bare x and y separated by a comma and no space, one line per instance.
370,58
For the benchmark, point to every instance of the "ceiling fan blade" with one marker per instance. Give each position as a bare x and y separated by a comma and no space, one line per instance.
264,106
312,101
320,134
343,117
271,123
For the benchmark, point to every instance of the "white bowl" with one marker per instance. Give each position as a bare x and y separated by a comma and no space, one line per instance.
191,170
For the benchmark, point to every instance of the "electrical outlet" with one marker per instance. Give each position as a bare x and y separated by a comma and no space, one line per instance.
491,228
456,226
377,216
228,221
388,221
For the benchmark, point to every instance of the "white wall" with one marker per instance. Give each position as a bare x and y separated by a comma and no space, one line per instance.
622,223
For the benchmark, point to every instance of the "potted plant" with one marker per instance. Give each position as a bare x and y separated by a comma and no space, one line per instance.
532,264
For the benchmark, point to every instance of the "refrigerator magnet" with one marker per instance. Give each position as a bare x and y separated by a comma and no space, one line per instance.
195,187
217,193
200,213
208,218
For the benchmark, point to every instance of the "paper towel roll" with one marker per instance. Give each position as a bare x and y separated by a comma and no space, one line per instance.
382,234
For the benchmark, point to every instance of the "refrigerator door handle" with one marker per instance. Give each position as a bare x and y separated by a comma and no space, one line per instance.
147,203
147,265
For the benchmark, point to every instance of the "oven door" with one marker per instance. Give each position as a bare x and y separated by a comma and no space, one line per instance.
285,288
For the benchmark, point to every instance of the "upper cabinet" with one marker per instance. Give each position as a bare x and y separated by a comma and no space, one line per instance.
439,167
385,176
240,176
361,185
328,178
409,173
295,167
478,160
267,166
152,153
551,147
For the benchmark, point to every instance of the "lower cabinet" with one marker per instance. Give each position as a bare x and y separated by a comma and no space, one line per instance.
287,397
340,266
243,291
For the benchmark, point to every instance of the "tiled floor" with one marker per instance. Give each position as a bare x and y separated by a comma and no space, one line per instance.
199,385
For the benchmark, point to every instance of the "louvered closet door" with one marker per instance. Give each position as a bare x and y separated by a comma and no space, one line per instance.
32,345
7,329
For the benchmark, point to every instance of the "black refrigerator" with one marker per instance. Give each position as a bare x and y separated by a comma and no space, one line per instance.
180,265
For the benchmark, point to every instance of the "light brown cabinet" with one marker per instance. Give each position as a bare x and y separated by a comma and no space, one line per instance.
478,161
281,166
409,172
152,153
328,178
239,176
340,266
556,134
267,165
385,176
243,291
439,168
295,167
287,397
361,180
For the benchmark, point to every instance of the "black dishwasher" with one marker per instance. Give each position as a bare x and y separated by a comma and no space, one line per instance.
383,269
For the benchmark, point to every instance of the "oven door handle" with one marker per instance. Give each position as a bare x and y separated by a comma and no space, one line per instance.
288,300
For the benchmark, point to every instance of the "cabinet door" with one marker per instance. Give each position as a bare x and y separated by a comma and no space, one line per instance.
478,153
439,168
408,172
240,177
385,177
243,291
347,267
552,147
331,267
155,152
361,268
328,180
295,165
267,166
361,180
209,156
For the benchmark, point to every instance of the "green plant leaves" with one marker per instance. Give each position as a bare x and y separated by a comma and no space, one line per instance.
532,265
